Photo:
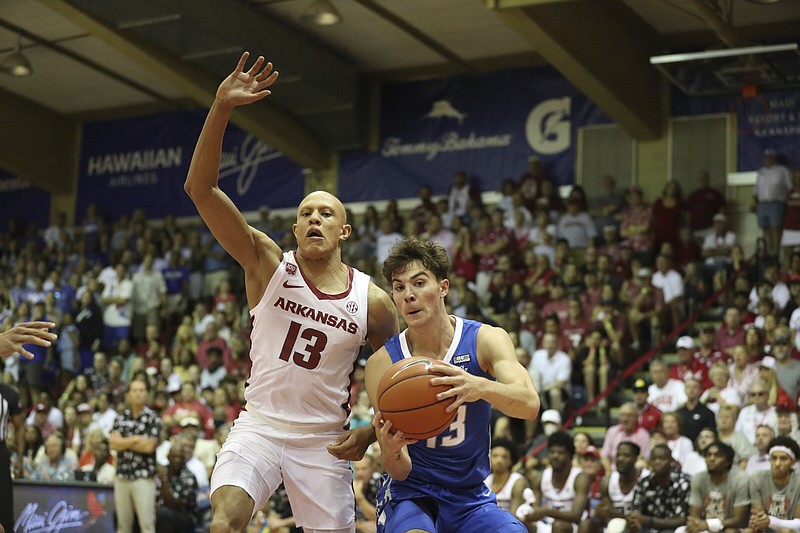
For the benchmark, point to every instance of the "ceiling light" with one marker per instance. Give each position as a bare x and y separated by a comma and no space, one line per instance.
16,63
321,13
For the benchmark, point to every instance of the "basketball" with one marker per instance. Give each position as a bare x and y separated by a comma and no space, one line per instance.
408,400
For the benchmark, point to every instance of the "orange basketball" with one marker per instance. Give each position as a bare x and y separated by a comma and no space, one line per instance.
407,398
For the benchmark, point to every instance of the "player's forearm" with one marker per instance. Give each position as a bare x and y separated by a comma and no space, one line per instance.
204,168
397,464
517,400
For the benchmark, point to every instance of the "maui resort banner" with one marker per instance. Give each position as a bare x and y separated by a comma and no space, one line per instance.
22,201
142,163
487,125
767,120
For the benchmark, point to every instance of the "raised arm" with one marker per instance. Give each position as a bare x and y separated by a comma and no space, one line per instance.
251,248
513,393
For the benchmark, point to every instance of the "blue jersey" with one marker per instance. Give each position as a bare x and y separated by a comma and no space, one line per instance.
458,457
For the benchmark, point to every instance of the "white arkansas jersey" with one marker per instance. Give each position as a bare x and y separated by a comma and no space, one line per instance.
504,495
560,500
622,502
304,346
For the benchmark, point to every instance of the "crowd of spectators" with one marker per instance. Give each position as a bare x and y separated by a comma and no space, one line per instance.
583,285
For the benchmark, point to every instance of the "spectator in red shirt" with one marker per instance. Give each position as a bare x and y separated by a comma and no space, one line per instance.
707,352
557,304
491,240
687,366
703,203
211,339
530,183
668,215
731,333
649,415
189,406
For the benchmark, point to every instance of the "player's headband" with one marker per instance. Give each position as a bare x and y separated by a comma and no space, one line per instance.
783,449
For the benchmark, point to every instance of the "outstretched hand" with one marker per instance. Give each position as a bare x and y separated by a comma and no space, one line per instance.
245,87
37,333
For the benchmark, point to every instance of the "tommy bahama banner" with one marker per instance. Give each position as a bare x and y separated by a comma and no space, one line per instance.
487,125
141,163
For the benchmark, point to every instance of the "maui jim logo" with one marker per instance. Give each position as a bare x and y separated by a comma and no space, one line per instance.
59,517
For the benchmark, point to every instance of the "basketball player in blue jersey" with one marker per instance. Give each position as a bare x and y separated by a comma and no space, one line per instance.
311,314
436,485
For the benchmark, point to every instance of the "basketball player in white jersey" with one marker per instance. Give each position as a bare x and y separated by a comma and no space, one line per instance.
311,314
561,490
507,486
616,490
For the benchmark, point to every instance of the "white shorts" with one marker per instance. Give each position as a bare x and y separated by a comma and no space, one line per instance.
257,457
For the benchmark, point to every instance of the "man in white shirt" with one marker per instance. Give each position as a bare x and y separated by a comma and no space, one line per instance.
773,183
551,369
717,245
665,393
670,282
758,413
760,460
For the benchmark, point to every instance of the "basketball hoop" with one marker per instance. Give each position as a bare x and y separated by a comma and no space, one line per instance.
752,103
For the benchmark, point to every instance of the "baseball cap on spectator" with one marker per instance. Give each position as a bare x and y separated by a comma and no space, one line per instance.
189,421
794,278
591,451
767,361
610,227
552,416
639,385
41,408
685,342
644,272
720,217
173,385
84,408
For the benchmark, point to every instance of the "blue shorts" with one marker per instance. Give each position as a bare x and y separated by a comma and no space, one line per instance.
432,508
770,214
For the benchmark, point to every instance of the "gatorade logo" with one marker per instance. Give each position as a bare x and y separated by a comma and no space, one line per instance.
548,128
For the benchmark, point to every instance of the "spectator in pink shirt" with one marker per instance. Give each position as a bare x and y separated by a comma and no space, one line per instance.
627,430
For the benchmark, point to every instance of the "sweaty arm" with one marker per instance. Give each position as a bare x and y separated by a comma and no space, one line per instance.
394,451
513,393
254,250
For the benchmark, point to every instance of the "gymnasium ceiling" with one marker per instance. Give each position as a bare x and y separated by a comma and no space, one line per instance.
95,59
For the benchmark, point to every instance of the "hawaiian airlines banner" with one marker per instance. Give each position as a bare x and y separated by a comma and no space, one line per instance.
486,125
141,163
23,202
768,120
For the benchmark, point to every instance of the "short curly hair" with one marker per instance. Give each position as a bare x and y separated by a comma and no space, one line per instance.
430,254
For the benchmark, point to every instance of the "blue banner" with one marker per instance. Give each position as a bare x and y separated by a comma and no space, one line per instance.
487,125
141,163
22,202
767,120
